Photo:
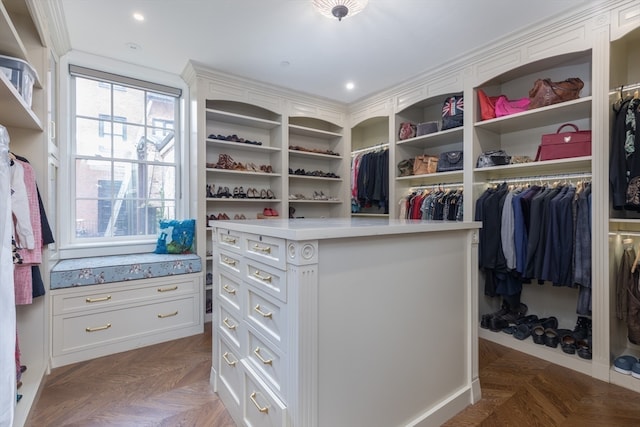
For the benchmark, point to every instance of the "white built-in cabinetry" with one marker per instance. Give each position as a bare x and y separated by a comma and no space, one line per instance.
22,36
94,321
255,125
624,69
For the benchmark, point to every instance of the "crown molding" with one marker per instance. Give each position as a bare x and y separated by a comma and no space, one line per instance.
58,34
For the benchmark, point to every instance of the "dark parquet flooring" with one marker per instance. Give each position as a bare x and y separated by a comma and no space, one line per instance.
167,385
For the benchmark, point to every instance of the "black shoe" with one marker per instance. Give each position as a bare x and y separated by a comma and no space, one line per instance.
485,321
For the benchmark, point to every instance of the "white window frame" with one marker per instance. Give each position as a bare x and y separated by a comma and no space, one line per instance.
69,245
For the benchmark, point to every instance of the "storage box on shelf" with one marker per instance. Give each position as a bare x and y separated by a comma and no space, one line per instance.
519,134
316,169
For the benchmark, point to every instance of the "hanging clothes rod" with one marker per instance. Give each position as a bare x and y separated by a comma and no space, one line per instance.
435,186
624,88
374,148
625,233
561,177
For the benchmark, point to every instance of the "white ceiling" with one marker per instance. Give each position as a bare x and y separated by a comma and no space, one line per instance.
389,42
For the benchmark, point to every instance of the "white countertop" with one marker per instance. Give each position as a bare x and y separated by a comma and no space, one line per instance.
333,228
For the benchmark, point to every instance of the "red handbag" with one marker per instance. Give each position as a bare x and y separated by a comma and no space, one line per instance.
487,105
562,145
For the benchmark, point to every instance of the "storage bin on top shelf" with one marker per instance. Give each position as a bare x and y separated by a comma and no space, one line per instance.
21,75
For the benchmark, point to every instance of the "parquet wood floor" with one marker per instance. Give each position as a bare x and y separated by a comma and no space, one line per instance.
167,385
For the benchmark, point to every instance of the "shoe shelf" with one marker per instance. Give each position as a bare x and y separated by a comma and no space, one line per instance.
320,178
308,154
241,172
314,201
240,119
241,200
550,354
230,145
312,132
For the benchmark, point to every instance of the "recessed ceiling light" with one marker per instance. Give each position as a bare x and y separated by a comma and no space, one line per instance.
138,16
350,85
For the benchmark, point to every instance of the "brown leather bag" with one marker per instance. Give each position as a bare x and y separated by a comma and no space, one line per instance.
425,164
545,92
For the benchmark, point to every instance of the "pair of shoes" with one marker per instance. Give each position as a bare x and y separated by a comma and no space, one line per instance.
624,364
583,348
238,193
523,326
210,189
223,192
270,212
266,168
510,317
319,195
582,329
485,321
209,279
224,162
292,211
544,332
241,216
222,216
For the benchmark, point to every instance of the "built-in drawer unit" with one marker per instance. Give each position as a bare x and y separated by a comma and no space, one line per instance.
268,361
230,290
230,262
97,320
229,323
230,374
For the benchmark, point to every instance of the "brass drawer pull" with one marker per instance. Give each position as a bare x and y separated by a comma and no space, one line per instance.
264,249
264,410
98,328
229,240
229,261
226,359
227,324
173,288
257,353
162,316
262,313
261,277
90,300
229,290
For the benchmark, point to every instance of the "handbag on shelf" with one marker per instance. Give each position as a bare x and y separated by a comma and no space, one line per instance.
563,145
450,161
545,92
405,167
427,128
407,130
453,112
505,106
425,164
487,105
493,158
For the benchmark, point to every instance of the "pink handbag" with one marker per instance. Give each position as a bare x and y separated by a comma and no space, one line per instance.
505,106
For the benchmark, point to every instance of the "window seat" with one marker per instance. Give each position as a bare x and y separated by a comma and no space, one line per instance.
120,268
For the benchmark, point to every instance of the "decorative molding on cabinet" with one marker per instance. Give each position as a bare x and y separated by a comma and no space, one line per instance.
451,82
624,19
378,108
315,110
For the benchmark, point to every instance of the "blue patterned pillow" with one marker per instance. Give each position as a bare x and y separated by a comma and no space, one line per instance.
175,237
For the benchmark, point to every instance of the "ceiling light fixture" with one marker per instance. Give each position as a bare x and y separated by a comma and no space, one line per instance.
339,8
138,16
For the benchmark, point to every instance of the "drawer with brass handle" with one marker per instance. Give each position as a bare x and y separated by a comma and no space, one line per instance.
268,250
266,278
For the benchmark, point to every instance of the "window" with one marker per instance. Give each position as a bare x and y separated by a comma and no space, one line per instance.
124,156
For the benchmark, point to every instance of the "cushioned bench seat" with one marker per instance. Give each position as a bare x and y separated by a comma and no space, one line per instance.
119,268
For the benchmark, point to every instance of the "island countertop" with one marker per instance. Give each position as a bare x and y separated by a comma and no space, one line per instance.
334,228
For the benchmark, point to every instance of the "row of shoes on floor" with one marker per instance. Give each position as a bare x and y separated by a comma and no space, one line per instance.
225,161
233,138
543,331
239,193
318,173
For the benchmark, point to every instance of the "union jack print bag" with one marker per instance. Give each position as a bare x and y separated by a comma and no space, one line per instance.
452,111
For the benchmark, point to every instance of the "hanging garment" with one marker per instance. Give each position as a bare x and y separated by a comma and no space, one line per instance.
7,298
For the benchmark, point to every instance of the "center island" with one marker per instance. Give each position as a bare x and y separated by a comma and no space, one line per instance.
345,322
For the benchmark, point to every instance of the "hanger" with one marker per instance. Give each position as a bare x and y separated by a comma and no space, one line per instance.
635,262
